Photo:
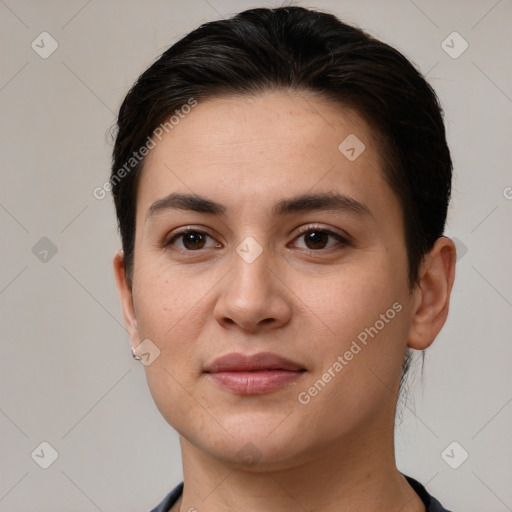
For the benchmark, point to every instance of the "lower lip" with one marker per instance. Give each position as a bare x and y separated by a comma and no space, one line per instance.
254,383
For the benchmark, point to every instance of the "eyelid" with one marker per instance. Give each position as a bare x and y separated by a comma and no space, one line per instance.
342,235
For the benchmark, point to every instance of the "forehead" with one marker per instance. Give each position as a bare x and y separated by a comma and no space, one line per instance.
249,151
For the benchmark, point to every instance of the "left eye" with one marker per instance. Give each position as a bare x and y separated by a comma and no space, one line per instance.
317,239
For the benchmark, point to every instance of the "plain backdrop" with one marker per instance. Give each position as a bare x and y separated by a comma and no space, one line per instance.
67,375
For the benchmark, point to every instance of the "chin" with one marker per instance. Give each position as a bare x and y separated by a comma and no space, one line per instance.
256,446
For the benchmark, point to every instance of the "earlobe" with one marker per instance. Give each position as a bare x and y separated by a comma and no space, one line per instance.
436,276
126,297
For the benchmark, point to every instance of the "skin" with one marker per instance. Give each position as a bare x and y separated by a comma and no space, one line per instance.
303,301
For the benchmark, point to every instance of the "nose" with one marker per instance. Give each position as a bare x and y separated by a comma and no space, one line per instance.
253,297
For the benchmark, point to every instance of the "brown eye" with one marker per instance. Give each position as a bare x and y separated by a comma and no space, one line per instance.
191,240
316,239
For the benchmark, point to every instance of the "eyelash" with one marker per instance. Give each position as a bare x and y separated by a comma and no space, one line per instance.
302,231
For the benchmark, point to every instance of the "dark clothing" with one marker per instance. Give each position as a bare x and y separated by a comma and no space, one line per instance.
431,504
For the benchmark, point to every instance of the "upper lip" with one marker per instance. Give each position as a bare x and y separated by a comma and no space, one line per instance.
238,362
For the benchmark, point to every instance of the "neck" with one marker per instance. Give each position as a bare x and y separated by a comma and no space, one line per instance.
350,476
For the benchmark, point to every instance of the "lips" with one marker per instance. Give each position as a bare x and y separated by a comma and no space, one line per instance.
253,374
237,362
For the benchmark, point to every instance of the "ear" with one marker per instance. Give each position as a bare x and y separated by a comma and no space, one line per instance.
126,296
432,293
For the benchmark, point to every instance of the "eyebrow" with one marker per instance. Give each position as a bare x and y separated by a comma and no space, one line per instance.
306,202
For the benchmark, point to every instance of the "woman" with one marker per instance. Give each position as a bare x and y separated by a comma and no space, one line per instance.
281,181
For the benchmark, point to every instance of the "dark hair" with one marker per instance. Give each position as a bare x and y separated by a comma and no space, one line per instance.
304,50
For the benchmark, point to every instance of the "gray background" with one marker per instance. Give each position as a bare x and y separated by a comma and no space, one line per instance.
66,372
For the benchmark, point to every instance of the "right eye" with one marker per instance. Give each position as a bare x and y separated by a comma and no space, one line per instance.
191,240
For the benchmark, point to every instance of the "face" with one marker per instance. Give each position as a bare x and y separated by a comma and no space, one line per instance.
321,282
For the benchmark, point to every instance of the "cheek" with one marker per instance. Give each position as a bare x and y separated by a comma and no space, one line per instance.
165,297
359,369
170,313
354,295
364,309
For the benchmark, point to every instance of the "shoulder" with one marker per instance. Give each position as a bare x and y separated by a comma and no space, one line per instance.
431,504
171,498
